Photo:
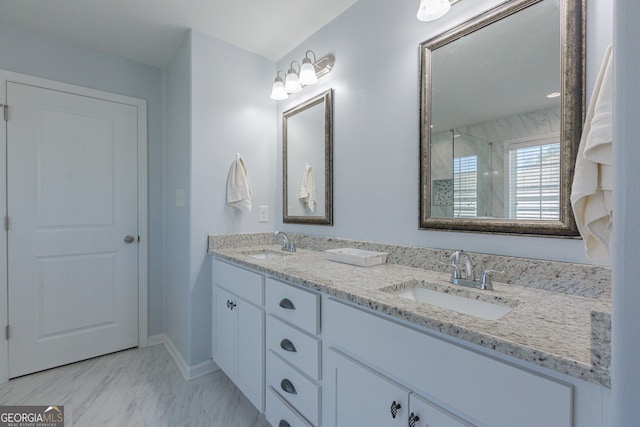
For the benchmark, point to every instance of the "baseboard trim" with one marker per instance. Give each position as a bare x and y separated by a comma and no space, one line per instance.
188,372
156,339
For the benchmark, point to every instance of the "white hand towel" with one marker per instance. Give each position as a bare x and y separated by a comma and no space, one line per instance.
307,193
238,189
592,191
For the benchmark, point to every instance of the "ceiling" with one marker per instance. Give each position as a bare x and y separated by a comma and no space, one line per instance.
150,31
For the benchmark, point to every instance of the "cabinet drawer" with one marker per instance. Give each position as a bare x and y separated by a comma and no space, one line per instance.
243,283
280,414
461,379
301,392
296,347
295,305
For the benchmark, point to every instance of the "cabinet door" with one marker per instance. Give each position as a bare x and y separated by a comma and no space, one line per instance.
250,377
363,397
423,413
225,340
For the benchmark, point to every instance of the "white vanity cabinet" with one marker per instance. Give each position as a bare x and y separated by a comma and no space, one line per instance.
238,328
309,359
364,397
293,355
460,384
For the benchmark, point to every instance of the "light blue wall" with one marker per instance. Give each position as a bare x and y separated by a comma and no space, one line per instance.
376,128
32,54
177,153
217,104
231,113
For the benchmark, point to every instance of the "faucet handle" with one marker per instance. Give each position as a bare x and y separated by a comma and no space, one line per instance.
486,280
455,273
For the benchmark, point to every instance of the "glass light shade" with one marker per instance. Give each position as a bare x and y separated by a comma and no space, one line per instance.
430,10
278,93
307,73
291,83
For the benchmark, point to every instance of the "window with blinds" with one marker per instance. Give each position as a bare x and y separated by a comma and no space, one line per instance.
534,182
465,186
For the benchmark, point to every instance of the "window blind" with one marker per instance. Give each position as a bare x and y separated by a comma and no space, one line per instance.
534,182
465,186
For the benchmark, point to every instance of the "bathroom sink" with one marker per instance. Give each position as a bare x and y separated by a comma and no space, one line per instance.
266,254
419,292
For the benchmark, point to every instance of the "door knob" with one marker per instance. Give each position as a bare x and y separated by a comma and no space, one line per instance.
129,239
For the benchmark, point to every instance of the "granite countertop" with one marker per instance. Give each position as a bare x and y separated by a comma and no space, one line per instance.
556,330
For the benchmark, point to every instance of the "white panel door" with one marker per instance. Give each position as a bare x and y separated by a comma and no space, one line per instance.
71,199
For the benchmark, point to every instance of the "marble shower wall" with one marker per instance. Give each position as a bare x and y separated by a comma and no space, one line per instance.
492,173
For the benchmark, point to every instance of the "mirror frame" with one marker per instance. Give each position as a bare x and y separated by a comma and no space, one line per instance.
572,31
325,98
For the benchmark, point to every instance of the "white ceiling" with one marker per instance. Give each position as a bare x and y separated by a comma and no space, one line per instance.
150,31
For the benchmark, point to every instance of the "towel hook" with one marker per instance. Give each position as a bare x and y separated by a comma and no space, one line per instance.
237,156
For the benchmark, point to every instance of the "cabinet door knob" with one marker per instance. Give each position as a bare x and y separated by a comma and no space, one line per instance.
287,386
287,304
283,423
394,408
413,419
287,345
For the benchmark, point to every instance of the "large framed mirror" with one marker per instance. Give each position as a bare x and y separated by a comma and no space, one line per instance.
502,102
307,161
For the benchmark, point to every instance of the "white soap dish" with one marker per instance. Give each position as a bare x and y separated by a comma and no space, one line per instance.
357,257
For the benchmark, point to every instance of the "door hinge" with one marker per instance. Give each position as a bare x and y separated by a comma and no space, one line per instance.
5,109
6,223
6,331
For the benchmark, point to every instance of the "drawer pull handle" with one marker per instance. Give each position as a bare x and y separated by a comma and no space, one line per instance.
394,408
287,386
283,423
287,345
413,419
287,304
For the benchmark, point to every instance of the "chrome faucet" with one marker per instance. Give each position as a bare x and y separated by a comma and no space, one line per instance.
459,256
469,278
286,244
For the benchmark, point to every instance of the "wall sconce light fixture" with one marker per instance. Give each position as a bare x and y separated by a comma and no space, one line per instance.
308,74
430,10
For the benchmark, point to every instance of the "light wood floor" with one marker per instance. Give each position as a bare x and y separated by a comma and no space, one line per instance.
138,387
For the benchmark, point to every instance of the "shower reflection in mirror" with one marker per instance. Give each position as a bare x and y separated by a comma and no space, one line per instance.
473,177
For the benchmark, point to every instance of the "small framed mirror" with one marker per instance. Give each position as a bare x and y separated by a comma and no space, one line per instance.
502,101
307,161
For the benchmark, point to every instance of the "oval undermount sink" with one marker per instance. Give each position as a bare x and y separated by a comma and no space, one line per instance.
415,291
266,254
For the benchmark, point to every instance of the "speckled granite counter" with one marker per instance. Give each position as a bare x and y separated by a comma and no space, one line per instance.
562,331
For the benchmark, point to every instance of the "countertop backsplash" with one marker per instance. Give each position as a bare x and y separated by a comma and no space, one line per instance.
575,279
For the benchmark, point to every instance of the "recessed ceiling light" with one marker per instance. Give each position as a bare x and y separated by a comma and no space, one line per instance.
554,95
